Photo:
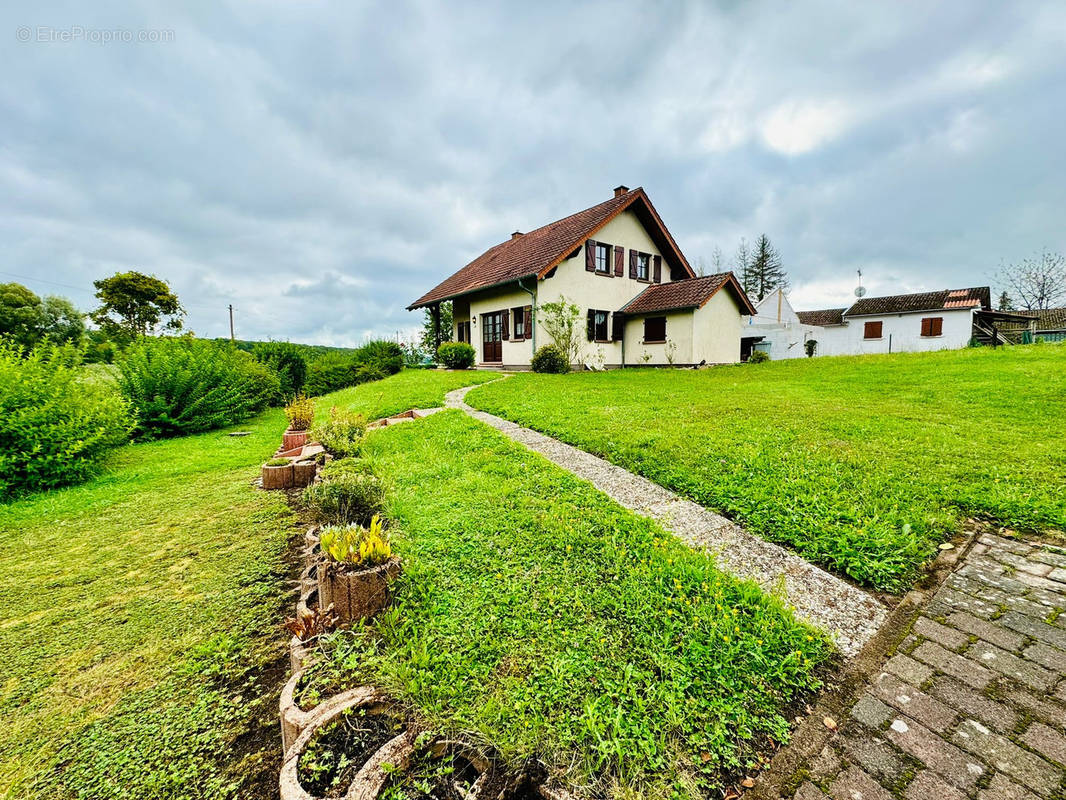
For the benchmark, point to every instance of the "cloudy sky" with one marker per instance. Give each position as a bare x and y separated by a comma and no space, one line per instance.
320,165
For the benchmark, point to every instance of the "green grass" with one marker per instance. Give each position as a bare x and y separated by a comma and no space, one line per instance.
538,615
861,464
139,609
412,388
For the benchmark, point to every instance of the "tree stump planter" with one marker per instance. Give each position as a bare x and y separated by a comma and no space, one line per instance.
294,720
292,439
277,477
472,775
327,720
356,594
300,653
303,473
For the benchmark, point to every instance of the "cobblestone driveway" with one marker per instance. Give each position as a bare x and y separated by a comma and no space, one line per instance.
973,702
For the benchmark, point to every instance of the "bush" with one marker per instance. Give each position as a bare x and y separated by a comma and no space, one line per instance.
286,361
300,413
342,434
758,357
371,362
186,385
380,355
328,373
551,359
348,493
56,422
456,355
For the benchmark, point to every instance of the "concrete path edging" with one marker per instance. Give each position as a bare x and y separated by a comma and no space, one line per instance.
850,615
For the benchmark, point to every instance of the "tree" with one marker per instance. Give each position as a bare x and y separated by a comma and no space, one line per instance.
62,323
1005,303
764,272
559,321
429,342
743,265
140,302
20,315
717,259
1038,282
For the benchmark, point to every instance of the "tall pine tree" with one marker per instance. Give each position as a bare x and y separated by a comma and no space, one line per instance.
763,272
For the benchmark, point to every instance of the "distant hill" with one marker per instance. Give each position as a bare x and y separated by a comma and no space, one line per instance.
310,351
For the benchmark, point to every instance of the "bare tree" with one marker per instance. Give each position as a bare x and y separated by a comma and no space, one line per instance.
743,258
1038,282
717,259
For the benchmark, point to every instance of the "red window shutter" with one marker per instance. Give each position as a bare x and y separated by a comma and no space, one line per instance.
590,256
619,261
527,313
658,269
936,326
633,264
926,326
506,317
617,327
872,330
590,325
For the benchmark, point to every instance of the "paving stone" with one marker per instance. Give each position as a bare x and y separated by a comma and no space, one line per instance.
914,702
991,712
1005,756
949,600
1058,574
930,786
907,644
1048,557
1003,543
991,574
808,791
1060,691
965,669
871,712
1047,741
1021,563
910,670
1049,634
1046,710
989,631
1032,675
826,764
875,755
1047,656
1055,599
958,767
854,784
1003,788
941,634
1037,582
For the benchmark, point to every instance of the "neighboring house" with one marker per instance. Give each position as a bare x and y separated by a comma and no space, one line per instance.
640,301
781,331
1050,324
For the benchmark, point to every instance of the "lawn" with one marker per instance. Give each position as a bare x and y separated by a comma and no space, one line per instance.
861,464
539,616
140,608
412,388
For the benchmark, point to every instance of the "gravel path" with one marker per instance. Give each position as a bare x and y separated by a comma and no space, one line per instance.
850,615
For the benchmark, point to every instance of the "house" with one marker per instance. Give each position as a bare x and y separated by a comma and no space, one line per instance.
1049,325
779,330
640,301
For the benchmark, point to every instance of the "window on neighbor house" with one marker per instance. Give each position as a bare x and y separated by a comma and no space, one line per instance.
655,329
872,330
603,258
643,266
932,326
597,326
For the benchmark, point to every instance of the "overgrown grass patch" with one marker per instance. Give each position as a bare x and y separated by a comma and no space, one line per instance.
537,614
861,464
140,612
412,388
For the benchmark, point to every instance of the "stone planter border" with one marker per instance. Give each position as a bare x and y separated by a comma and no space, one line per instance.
357,594
291,439
277,477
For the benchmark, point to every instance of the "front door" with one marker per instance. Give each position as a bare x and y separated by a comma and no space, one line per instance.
492,337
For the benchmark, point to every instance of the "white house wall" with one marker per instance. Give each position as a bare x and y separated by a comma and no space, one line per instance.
901,333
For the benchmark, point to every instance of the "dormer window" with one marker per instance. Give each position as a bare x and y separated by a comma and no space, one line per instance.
603,258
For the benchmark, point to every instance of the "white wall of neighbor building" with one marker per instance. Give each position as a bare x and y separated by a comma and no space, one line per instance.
779,325
901,333
711,333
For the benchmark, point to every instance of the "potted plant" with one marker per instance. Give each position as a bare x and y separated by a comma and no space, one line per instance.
277,474
300,413
358,568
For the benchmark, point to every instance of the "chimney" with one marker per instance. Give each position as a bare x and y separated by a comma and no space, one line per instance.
515,235
620,190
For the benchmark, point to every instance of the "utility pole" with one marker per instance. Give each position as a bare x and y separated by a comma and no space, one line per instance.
231,322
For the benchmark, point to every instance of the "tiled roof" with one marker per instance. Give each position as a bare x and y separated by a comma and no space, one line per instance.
1048,319
689,293
536,252
825,316
946,300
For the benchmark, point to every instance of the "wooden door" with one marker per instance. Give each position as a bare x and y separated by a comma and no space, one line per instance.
492,337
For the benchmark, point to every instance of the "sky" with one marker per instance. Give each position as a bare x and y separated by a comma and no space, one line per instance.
320,165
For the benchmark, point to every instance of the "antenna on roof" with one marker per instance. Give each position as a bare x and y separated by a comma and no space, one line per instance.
860,290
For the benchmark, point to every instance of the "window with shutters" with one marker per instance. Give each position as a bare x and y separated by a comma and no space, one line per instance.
643,266
932,326
463,332
603,258
654,329
519,322
872,330
600,331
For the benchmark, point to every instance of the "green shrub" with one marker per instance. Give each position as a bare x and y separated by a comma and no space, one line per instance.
300,413
371,362
278,462
342,434
328,373
758,357
185,385
56,420
456,355
550,358
348,493
383,356
286,361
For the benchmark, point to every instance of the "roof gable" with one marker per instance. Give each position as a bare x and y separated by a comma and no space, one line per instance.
536,253
684,294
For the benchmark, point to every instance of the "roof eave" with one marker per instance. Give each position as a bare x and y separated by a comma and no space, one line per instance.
435,301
